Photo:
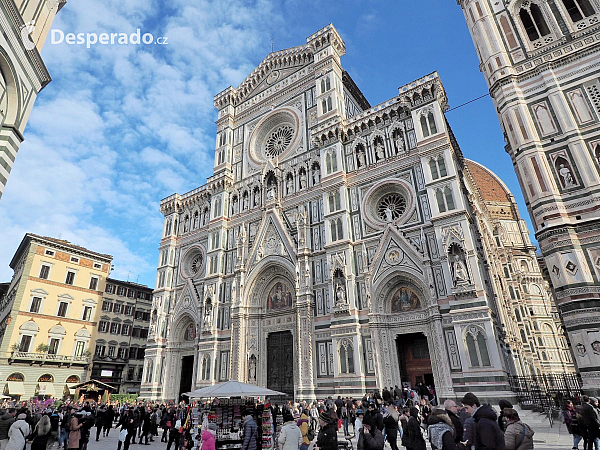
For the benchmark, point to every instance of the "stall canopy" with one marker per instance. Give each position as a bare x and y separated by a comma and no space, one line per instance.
46,389
15,388
233,389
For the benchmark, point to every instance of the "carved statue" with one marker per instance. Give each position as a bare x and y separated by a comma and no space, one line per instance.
316,175
290,186
256,198
388,214
340,294
460,273
270,192
362,160
302,180
566,175
252,369
235,205
379,150
245,204
399,142
206,322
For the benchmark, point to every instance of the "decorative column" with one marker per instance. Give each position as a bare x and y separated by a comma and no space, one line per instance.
440,363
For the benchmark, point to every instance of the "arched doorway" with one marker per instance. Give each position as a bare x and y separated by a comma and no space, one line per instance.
280,362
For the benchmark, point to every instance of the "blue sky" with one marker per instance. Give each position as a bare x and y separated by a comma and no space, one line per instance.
123,126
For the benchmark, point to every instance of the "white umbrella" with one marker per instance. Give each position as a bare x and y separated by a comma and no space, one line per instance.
4,397
232,389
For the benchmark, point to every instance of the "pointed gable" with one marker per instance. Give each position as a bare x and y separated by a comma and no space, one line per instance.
272,239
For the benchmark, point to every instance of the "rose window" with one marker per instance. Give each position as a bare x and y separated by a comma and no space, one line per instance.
391,207
279,140
196,264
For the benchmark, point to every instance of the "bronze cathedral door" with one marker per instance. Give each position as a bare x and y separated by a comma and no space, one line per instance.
280,362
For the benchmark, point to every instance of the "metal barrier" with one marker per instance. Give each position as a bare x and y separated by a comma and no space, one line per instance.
546,391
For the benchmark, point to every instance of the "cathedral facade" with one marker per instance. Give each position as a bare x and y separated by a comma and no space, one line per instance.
540,60
340,247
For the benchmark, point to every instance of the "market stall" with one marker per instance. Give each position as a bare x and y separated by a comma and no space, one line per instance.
226,405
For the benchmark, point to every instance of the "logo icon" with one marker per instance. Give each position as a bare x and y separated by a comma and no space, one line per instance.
26,31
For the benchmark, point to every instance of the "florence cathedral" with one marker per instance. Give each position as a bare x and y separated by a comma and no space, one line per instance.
340,247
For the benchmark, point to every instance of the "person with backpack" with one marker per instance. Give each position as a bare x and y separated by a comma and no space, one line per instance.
305,428
486,433
518,435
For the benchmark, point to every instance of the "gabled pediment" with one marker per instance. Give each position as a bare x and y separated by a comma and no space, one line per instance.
396,252
272,239
187,300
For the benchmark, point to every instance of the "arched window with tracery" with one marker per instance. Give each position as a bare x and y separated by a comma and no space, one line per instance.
424,127
337,231
334,201
331,162
346,356
533,21
578,9
149,368
477,347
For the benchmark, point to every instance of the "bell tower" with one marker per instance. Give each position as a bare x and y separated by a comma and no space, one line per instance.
540,61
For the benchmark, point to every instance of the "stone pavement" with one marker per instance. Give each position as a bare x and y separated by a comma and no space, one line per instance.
111,442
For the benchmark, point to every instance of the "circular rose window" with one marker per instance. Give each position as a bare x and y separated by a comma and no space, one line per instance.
391,207
388,201
192,262
275,135
279,140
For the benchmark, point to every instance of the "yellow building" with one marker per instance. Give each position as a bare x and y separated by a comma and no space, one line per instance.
48,316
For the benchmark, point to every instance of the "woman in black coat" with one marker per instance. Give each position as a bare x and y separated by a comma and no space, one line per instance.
327,437
390,422
414,439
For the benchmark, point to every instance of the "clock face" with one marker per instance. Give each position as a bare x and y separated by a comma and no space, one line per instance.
196,264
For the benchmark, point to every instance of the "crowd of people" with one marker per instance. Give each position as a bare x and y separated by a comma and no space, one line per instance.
395,416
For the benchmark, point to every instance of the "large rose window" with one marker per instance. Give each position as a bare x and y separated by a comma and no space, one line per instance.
275,136
279,140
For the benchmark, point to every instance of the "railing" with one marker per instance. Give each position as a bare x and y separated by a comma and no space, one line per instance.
546,391
46,357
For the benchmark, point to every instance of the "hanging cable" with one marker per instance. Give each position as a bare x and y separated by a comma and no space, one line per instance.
470,101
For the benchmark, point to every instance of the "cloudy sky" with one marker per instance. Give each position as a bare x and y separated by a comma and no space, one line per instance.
123,126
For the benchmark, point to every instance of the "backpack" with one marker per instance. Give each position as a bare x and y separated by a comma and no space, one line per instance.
310,434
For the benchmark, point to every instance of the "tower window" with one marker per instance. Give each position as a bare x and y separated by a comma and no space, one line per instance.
534,22
579,9
428,126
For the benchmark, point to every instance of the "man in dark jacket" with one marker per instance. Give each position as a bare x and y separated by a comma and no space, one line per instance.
250,430
377,417
327,437
452,410
590,421
6,420
487,435
371,438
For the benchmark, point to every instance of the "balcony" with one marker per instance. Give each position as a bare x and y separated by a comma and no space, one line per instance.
45,358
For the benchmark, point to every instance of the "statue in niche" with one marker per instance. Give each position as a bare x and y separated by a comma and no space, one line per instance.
245,202
206,323
302,179
233,291
379,150
270,192
362,160
290,185
316,175
458,265
252,368
566,175
235,205
460,273
256,197
340,294
399,142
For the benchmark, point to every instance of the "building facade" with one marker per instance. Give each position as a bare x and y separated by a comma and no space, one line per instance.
48,317
25,25
123,324
540,60
340,247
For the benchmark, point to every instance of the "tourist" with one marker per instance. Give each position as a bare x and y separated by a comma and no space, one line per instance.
109,418
502,422
41,434
358,425
166,422
390,423
54,428
74,431
290,436
208,437
327,438
314,416
373,411
146,427
250,431
570,419
126,422
100,415
343,412
6,420
371,437
589,423
486,433
403,423
17,433
425,412
303,424
452,412
440,431
518,435
413,436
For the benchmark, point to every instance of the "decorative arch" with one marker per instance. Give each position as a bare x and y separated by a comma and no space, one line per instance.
57,330
265,275
46,378
346,356
475,339
83,333
391,283
180,326
13,95
30,325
